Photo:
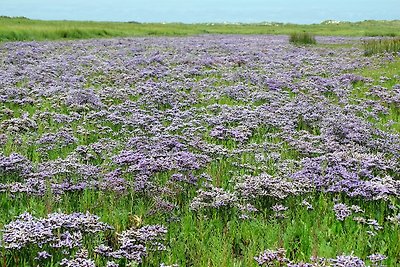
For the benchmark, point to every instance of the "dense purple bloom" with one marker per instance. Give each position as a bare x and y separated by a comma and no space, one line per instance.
57,230
82,97
134,244
15,164
264,120
253,187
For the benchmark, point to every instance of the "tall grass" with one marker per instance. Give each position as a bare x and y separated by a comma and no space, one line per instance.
21,29
302,38
390,45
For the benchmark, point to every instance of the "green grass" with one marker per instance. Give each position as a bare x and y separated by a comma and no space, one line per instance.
386,76
388,45
21,29
212,239
302,38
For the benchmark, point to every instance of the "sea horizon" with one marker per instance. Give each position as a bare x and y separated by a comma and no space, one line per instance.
206,11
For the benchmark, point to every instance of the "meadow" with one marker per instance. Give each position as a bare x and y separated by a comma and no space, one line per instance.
23,29
208,150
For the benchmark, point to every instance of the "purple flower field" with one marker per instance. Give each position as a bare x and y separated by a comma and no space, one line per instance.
198,151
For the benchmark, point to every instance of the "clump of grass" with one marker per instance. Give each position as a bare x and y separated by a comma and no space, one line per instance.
378,34
302,38
376,46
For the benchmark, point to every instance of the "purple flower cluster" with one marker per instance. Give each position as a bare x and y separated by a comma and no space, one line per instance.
239,134
15,164
58,230
377,259
22,124
83,97
134,244
80,260
149,156
66,232
278,257
264,185
341,211
61,139
213,198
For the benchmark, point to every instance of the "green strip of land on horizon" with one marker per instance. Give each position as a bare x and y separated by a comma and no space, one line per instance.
23,29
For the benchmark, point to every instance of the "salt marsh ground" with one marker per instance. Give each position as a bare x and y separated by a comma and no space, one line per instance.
211,150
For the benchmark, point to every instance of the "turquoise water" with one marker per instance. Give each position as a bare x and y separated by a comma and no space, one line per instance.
190,11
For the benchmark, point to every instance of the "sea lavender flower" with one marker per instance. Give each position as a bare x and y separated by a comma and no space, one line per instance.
15,164
253,187
360,219
82,97
77,262
112,264
342,211
301,264
371,233
306,204
271,257
279,211
162,206
168,265
319,261
214,198
347,261
374,224
377,259
134,244
356,209
80,260
58,230
43,255
394,219
3,139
